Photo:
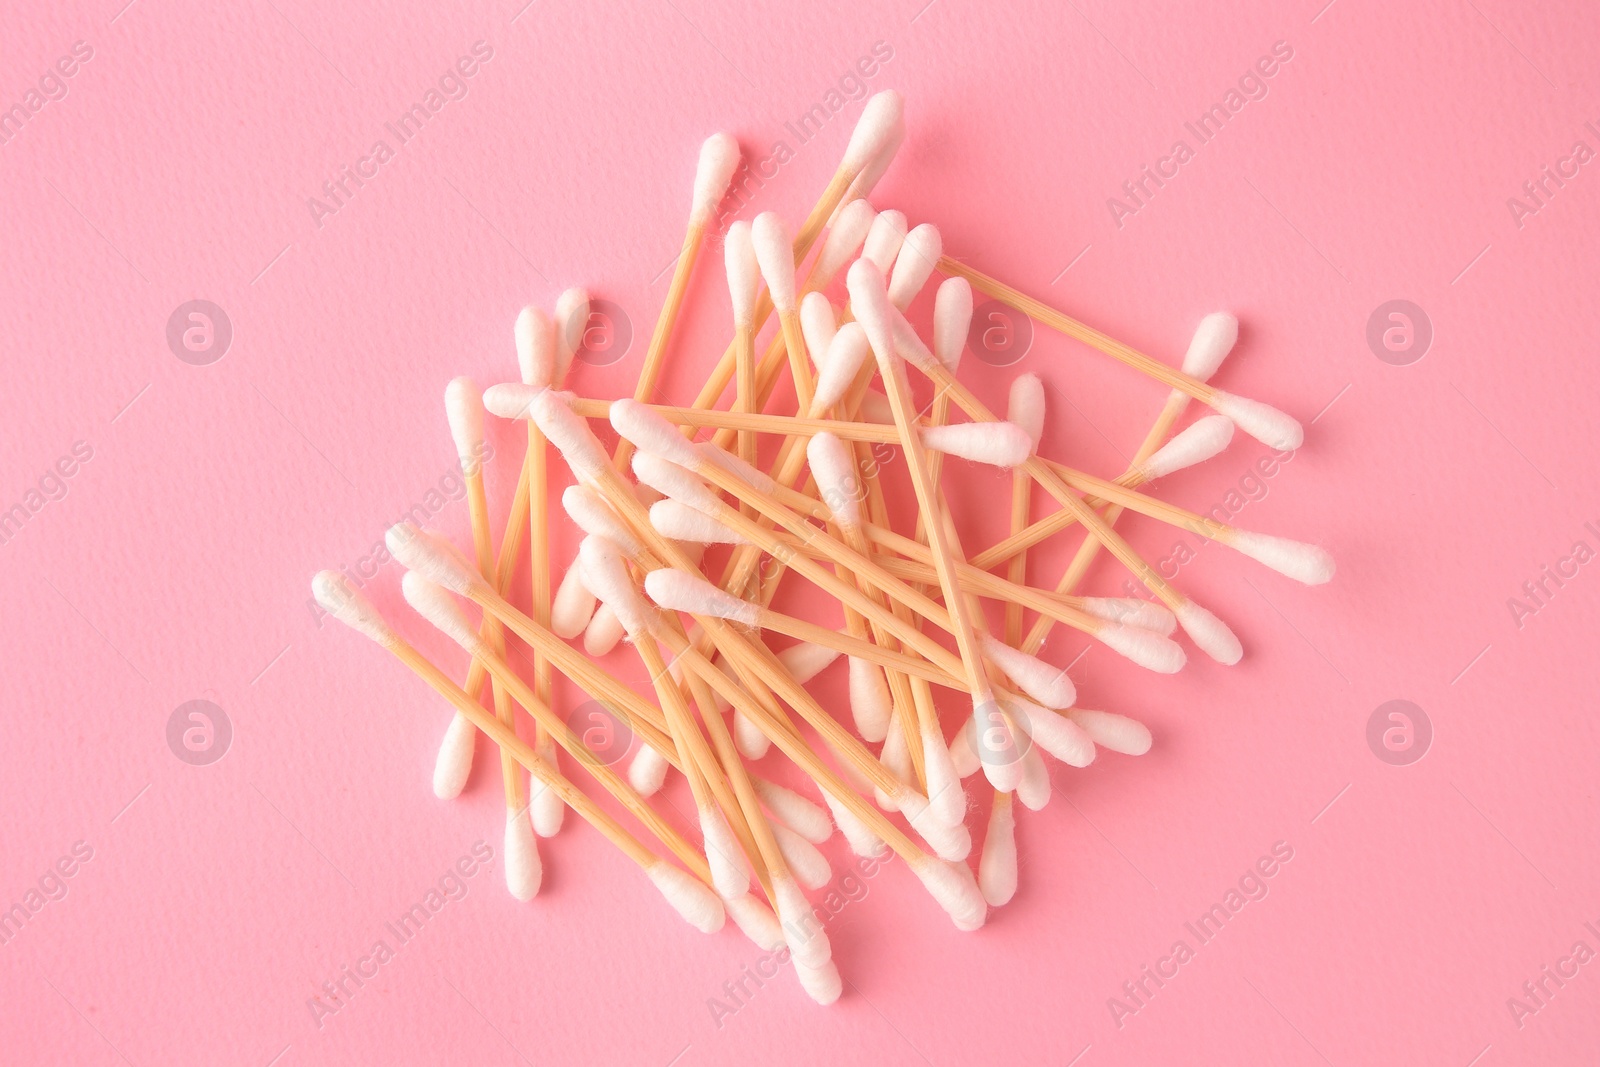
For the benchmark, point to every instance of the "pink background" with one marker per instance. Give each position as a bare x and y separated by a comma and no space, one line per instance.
218,898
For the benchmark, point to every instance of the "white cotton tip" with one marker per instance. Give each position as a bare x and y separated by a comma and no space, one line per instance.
913,265
1115,732
524,872
1265,423
869,178
433,557
572,320
844,239
950,841
806,660
758,479
809,866
1196,444
673,482
1033,788
594,516
884,239
744,275
653,434
999,748
818,324
952,318
463,407
678,521
677,590
1210,634
1131,611
435,603
340,598
963,757
957,892
775,253
997,869
1213,339
570,433
535,335
822,984
908,345
1149,649
647,771
1044,682
884,114
802,930
1054,732
1025,407
723,855
573,604
545,806
756,921
896,759
1293,559
689,897
719,158
748,738
453,764
840,367
870,303
606,573
511,400
833,464
998,444
946,799
870,702
808,820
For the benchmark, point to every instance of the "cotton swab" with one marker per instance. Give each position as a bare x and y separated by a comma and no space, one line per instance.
913,264
997,870
1025,408
339,597
884,239
870,301
775,253
464,407
1266,424
537,358
719,158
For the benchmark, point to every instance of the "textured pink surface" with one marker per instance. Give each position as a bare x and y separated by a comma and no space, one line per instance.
172,565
